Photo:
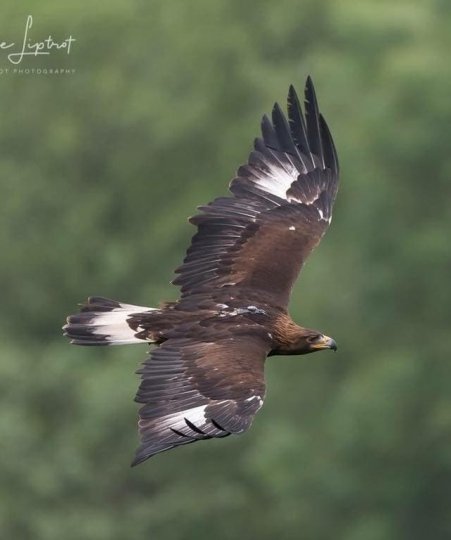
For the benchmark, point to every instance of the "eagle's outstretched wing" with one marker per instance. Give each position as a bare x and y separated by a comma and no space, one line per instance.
258,239
195,389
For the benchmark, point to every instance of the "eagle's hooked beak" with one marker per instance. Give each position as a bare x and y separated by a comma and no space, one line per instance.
325,342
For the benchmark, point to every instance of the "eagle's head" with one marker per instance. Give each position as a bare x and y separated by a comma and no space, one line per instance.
312,341
303,341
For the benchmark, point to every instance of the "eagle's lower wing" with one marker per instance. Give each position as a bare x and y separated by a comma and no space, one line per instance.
259,238
198,389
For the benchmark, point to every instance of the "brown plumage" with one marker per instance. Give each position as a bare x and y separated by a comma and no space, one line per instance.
205,377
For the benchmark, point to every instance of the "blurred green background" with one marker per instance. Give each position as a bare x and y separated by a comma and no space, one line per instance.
99,170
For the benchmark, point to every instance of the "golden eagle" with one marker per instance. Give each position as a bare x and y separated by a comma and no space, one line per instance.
205,377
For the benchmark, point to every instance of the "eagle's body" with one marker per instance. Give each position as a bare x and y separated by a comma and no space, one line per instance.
205,378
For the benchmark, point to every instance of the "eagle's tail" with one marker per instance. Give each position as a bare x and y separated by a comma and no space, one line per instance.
106,322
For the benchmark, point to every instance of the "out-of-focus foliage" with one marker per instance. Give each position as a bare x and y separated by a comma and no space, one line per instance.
98,171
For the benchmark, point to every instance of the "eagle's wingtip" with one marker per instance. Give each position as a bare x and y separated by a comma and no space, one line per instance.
137,460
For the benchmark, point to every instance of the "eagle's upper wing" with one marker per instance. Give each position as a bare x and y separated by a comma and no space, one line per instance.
258,239
195,389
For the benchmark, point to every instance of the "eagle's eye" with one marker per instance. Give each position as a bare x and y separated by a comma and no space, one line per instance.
314,338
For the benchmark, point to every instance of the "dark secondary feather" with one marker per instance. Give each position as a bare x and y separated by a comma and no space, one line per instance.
258,239
203,382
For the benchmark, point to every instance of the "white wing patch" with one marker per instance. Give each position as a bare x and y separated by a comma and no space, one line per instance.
178,421
253,310
255,398
277,180
322,217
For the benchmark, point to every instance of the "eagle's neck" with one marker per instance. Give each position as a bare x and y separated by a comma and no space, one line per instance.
288,337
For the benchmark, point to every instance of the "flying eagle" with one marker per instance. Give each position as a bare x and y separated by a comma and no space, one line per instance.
205,377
